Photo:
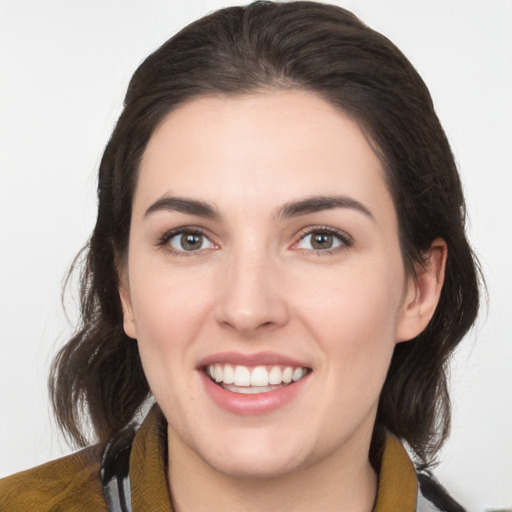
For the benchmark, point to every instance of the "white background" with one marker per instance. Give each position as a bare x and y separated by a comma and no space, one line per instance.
64,69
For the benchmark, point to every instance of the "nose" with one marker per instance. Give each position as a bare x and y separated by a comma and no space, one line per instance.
251,300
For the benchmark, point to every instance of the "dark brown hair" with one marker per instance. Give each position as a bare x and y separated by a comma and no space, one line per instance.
296,45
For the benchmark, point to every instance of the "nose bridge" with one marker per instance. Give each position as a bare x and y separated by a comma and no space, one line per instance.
249,298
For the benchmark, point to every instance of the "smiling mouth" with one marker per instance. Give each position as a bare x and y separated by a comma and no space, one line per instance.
251,380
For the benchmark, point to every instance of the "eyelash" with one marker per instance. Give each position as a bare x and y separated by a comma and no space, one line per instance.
164,240
345,239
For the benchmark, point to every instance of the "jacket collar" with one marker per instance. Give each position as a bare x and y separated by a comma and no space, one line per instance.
397,490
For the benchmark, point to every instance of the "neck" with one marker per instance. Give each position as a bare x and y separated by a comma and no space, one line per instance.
330,484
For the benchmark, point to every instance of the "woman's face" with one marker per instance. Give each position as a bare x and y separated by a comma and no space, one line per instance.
264,248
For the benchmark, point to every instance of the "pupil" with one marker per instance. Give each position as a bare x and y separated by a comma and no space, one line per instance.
322,241
191,242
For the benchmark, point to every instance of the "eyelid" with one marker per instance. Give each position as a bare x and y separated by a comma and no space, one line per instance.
344,237
163,240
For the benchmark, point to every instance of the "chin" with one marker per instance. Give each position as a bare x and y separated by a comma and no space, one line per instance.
254,455
261,466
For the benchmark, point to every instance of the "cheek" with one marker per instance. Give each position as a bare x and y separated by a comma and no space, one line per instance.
168,308
351,316
168,316
354,315
165,292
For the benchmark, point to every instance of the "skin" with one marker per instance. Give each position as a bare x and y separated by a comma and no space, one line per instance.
257,284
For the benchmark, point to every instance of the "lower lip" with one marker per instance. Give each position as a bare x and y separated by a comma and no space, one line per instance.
254,404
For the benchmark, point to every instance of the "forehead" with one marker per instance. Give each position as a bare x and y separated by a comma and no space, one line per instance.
260,148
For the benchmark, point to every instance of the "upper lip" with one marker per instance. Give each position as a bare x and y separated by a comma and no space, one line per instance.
256,359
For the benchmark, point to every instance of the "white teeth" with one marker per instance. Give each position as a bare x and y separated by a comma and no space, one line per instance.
275,375
218,373
259,377
229,374
298,373
248,390
242,376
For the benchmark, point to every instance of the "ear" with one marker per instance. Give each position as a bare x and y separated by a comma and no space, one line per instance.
423,292
126,303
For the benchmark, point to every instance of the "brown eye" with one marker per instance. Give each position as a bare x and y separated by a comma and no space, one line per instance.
189,242
321,241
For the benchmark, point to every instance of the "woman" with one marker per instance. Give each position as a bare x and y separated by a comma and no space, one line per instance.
281,230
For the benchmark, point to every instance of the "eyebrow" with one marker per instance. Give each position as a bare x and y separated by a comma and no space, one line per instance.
297,208
314,204
182,205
